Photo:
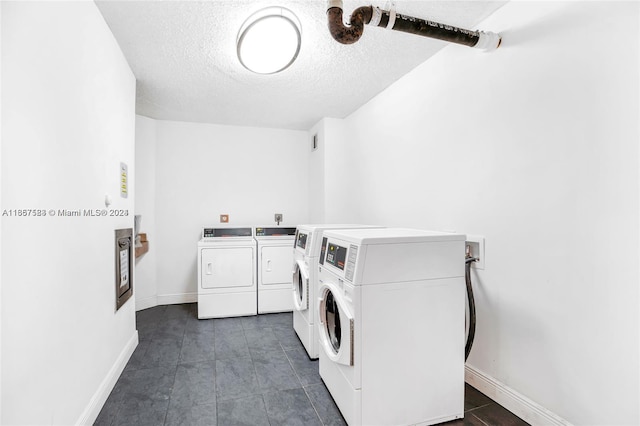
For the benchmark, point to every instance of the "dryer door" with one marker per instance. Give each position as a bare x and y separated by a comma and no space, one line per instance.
336,325
275,264
300,286
227,267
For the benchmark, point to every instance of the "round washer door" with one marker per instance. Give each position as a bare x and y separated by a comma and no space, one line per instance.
336,325
300,286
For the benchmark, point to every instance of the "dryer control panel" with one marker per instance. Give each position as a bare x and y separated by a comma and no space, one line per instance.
274,232
226,232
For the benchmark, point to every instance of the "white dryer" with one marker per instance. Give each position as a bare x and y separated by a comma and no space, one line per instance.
227,282
305,277
391,309
274,268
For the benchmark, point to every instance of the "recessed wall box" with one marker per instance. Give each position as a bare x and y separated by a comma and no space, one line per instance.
124,265
476,249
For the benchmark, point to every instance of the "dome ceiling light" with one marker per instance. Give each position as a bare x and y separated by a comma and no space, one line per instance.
269,40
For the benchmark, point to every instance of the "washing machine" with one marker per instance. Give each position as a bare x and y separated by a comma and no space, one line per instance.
227,284
305,277
391,309
274,268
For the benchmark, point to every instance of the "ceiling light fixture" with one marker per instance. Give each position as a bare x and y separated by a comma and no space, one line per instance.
269,40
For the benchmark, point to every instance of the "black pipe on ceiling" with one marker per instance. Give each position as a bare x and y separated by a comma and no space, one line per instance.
371,15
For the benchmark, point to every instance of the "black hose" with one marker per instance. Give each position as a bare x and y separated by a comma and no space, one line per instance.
472,307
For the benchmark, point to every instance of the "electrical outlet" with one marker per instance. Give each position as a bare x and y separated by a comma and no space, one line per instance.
224,218
278,218
475,244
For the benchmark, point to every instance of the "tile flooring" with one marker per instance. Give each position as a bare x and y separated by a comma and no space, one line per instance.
234,371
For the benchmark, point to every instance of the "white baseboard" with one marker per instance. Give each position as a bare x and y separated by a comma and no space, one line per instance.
518,404
96,403
175,299
165,299
146,303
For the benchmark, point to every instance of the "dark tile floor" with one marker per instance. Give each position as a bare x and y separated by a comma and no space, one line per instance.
234,371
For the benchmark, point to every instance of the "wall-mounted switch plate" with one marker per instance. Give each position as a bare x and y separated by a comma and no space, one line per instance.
224,218
476,249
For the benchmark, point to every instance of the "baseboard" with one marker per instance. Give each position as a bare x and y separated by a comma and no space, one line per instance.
146,303
96,403
518,404
175,299
165,299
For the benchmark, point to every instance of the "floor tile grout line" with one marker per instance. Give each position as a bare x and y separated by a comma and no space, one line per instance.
265,409
304,388
166,413
481,421
480,406
291,365
255,371
175,373
315,410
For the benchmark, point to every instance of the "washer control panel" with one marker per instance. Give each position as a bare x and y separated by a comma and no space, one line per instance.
336,255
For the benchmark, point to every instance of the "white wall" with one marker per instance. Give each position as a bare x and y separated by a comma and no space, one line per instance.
332,199
146,277
204,170
0,204
67,122
535,147
316,173
342,196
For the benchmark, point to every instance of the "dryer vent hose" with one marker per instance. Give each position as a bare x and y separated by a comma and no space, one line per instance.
375,16
472,307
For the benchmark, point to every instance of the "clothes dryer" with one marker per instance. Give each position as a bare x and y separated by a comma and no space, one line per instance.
391,307
227,284
274,268
305,277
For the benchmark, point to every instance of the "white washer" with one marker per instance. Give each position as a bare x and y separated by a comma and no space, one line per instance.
274,268
391,307
305,278
227,273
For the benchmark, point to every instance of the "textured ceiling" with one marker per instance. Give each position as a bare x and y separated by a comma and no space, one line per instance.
183,55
